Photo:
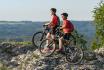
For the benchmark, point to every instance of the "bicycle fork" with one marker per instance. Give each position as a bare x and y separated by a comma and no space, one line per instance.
42,36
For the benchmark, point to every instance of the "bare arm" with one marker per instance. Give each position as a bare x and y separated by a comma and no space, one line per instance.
63,26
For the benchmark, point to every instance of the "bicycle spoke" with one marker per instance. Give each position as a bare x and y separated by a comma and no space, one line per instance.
37,38
75,56
49,48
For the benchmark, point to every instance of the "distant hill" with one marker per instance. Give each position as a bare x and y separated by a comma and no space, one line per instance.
19,29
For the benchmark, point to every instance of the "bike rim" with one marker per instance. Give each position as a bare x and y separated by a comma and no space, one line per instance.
36,40
50,48
77,57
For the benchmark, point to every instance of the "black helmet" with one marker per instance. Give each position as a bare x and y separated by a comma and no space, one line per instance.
65,14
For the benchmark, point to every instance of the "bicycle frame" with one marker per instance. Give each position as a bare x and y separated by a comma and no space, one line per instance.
44,31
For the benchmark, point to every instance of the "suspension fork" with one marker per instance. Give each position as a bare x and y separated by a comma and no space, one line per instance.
42,36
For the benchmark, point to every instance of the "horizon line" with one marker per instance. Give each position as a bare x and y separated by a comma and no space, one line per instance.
35,21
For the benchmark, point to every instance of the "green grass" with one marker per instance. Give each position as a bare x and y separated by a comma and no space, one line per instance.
24,43
3,67
19,43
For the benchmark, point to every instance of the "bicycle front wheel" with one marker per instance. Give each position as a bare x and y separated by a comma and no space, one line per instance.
37,38
47,49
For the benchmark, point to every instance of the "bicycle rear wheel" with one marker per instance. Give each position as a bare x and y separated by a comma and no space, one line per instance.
37,38
74,54
47,50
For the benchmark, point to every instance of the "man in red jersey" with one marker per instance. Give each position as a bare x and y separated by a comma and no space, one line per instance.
67,28
53,24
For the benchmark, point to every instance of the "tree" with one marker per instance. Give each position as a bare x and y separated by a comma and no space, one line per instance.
99,23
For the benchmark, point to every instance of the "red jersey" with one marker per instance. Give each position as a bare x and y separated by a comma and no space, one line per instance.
67,26
54,20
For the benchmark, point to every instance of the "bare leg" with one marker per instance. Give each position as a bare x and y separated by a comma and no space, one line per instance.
60,43
53,37
48,36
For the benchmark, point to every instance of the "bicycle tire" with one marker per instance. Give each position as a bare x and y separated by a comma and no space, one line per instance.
43,43
75,58
35,38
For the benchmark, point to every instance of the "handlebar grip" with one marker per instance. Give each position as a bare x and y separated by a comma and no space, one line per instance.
44,25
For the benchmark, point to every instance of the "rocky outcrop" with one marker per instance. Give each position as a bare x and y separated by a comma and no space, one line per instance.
100,51
28,58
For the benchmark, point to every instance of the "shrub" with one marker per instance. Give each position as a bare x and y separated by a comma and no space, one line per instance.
99,23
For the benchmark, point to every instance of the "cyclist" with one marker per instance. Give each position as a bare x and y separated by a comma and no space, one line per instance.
52,25
67,28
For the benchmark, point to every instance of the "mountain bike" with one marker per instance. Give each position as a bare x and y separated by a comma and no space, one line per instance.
40,35
73,52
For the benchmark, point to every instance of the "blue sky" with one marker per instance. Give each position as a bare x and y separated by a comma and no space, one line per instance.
39,10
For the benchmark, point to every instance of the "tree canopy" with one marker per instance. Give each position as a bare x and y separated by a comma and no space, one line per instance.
99,23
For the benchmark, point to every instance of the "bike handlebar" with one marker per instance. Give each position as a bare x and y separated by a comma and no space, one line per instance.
45,25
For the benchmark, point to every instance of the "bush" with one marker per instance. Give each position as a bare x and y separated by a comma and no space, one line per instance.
80,40
99,23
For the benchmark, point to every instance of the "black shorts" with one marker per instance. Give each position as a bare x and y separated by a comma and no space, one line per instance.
52,30
66,36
